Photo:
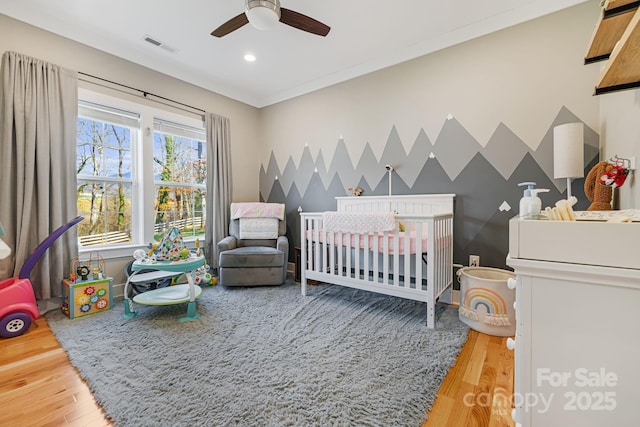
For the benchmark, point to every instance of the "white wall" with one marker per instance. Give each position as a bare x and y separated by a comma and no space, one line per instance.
620,135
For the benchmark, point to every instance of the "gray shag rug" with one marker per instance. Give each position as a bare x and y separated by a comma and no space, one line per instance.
266,356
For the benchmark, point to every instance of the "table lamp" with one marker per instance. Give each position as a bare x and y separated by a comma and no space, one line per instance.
568,152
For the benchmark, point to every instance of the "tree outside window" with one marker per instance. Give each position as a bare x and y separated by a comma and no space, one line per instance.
117,166
180,166
104,195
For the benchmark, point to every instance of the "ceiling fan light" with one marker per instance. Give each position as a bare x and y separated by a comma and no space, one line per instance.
263,14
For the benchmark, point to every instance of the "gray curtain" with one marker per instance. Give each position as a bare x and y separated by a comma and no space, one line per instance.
219,187
37,167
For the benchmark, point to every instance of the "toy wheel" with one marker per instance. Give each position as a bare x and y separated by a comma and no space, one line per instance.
14,324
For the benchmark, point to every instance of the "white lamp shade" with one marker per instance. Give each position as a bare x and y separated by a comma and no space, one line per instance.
263,14
568,151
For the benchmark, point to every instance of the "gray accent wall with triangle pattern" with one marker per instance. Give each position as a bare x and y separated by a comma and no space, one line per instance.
484,180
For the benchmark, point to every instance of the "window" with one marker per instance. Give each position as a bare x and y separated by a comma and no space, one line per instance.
140,171
105,140
179,171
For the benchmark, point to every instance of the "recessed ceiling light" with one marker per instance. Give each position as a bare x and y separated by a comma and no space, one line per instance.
249,57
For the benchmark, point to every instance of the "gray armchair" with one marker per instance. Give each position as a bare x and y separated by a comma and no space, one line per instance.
253,262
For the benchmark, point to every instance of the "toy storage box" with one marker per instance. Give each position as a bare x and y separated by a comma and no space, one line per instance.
84,297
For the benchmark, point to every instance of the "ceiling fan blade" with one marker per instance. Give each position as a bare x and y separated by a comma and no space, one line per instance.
231,25
303,22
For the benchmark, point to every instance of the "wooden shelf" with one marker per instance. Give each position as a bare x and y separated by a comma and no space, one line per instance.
615,18
623,69
617,38
615,4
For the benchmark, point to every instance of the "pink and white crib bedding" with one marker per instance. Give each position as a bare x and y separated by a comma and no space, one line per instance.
395,245
400,243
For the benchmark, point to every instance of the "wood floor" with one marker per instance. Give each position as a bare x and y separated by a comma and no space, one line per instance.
477,390
39,387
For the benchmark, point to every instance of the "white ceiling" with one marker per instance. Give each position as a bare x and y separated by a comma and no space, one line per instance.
365,36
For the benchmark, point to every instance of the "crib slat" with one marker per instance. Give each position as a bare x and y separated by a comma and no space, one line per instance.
366,255
332,253
449,250
406,250
445,259
346,254
316,247
396,257
437,225
385,257
340,252
418,255
303,255
309,260
355,256
324,247
431,285
376,257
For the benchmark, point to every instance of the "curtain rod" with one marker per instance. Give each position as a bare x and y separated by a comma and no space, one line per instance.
143,92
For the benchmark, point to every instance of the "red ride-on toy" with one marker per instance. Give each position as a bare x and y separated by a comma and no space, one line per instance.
18,306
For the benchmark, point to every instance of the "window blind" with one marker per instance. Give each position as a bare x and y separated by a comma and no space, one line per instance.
90,110
178,129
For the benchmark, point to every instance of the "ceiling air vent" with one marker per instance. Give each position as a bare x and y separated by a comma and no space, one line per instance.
154,41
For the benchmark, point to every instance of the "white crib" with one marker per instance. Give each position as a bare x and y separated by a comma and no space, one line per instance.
413,261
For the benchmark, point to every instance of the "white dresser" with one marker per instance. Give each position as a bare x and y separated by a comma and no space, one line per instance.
577,343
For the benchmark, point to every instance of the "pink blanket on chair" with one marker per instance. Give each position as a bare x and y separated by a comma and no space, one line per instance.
257,210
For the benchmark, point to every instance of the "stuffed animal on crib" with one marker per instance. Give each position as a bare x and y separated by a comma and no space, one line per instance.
598,194
355,191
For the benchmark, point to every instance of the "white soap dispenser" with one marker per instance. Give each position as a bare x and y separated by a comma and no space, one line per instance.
530,204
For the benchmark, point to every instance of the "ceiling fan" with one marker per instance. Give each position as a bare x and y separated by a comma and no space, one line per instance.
265,14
